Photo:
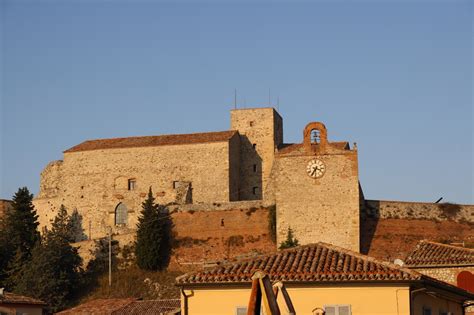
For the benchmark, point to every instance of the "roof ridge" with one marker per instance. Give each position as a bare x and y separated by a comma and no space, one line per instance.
373,259
447,245
154,140
162,135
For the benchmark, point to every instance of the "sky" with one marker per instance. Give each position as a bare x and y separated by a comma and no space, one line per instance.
393,76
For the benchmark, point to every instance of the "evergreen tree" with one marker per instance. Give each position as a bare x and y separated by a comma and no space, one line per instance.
151,231
54,269
18,232
290,241
75,227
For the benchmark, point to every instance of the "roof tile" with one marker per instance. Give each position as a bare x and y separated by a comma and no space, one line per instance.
434,254
319,262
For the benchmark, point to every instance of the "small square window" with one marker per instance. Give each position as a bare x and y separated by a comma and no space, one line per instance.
337,309
254,190
251,123
132,184
255,168
254,146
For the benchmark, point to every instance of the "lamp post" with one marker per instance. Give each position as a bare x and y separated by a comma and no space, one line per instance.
110,256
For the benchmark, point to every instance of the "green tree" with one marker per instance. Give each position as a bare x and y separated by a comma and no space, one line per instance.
54,269
18,233
152,235
290,241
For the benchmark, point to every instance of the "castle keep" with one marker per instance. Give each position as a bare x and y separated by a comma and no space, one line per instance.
313,184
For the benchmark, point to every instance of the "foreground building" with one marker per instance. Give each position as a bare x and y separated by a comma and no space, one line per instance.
14,304
125,306
326,277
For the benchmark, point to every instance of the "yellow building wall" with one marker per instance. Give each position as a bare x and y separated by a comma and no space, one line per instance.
366,300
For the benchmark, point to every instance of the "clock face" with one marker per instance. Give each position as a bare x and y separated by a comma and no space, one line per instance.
316,168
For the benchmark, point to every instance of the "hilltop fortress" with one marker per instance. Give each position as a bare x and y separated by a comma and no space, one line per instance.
225,184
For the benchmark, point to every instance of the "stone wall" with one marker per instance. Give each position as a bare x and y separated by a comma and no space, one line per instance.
418,210
5,205
95,182
446,274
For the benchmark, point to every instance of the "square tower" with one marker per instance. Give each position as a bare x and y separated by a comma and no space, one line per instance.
261,132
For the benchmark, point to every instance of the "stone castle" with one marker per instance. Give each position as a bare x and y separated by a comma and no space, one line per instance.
313,185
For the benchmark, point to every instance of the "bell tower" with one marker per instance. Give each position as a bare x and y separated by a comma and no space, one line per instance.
317,190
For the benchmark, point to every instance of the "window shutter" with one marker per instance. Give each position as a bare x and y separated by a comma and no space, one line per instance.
330,310
344,310
241,311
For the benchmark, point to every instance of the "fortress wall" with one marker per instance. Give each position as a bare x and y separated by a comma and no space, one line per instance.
206,236
95,182
390,238
418,210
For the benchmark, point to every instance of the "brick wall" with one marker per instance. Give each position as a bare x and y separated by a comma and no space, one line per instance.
389,239
207,236
203,236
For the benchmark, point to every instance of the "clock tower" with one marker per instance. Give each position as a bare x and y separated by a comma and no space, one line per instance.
316,185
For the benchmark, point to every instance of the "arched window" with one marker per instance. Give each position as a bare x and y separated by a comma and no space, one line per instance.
121,214
315,136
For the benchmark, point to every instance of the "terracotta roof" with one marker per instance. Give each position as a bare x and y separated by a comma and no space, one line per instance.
149,141
98,307
319,262
149,307
12,298
434,254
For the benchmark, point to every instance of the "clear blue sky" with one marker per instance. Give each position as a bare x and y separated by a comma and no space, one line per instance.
393,76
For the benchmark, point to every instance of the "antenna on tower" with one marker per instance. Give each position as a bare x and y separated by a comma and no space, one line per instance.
235,98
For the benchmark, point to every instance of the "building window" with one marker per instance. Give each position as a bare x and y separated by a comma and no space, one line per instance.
315,136
251,123
254,146
121,212
254,190
241,310
255,168
337,309
132,184
426,310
